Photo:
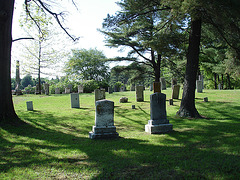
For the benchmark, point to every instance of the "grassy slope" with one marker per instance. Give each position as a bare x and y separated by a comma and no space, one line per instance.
55,144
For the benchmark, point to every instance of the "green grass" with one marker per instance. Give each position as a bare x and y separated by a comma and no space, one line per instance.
54,143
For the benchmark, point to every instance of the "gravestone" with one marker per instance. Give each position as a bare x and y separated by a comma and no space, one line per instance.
37,89
132,87
29,105
116,88
67,90
199,86
139,93
80,88
158,123
122,88
171,102
110,90
104,121
175,91
200,77
75,100
156,87
57,90
133,107
163,83
219,86
205,99
99,94
174,82
151,87
46,88
70,87
123,100
17,90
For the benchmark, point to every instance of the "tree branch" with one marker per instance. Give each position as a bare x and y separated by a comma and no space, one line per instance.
22,39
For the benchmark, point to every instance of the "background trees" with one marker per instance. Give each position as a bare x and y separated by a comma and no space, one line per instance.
87,65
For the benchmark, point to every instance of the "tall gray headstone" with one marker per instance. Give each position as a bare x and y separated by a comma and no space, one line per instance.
199,86
175,91
57,90
29,105
17,88
139,93
99,94
116,89
158,123
104,121
46,88
75,100
163,84
80,88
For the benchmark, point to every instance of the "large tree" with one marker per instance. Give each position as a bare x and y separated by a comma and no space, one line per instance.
7,112
146,28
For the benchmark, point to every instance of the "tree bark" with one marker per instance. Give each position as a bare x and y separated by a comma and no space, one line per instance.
7,112
187,107
215,80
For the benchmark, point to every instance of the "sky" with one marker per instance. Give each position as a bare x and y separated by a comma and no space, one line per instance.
82,22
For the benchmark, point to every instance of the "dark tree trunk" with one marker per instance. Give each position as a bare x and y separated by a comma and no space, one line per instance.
7,112
222,82
187,107
215,80
228,81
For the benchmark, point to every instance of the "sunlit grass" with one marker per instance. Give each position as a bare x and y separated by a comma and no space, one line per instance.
54,144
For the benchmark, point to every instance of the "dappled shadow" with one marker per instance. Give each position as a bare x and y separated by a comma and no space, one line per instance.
122,158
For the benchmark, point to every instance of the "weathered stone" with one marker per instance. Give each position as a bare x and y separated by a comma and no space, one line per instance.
67,90
99,94
37,89
116,89
171,102
80,88
57,90
123,100
174,82
158,123
122,88
151,87
132,87
29,105
133,107
156,87
110,90
139,93
104,121
199,86
163,84
75,100
205,99
46,88
70,87
175,91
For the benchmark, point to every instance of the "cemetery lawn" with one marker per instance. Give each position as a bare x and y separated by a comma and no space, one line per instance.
54,142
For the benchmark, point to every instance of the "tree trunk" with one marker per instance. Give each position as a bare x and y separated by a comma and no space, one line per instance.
7,112
215,80
228,81
187,107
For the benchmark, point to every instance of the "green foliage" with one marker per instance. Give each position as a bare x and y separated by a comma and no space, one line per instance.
27,80
86,64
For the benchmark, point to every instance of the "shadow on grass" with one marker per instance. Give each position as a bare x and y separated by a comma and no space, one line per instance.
186,153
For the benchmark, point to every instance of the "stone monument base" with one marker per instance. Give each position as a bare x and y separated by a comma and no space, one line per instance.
103,132
158,126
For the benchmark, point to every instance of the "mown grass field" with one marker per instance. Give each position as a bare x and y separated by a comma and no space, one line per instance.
54,144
